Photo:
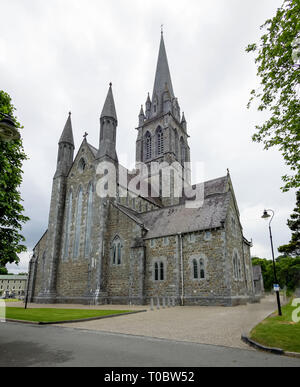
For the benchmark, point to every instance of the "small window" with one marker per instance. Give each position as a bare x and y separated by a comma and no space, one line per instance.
160,142
82,165
159,271
117,252
202,269
156,268
207,236
162,271
195,268
199,269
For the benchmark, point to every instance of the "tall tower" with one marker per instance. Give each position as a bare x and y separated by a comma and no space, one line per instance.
108,130
107,153
162,133
55,226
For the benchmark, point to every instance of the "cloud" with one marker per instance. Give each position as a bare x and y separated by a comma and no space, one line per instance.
61,55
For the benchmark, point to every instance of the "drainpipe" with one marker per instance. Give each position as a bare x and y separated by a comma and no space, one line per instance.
181,264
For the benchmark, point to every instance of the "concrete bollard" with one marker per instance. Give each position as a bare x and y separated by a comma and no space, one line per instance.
173,302
158,304
164,303
169,302
152,305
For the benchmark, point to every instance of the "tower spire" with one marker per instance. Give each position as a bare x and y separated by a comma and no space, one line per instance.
162,76
65,150
67,134
108,129
109,109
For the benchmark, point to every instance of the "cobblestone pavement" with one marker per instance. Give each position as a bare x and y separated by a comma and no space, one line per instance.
206,325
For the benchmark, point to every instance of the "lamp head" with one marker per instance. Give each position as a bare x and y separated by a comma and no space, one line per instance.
266,215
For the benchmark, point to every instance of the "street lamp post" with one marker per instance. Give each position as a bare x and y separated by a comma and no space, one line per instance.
8,130
267,216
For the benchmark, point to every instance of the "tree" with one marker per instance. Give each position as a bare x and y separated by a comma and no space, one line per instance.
287,269
3,270
11,210
278,61
293,248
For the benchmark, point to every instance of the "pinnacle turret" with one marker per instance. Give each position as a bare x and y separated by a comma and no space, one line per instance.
67,134
109,109
108,129
65,150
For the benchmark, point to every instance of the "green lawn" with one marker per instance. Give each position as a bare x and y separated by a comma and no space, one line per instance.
53,315
279,332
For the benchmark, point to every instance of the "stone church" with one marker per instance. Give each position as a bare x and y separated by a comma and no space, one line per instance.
134,247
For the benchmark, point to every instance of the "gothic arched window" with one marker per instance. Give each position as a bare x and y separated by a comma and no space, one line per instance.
78,223
156,269
81,165
68,225
89,221
202,269
236,266
148,142
182,150
117,251
160,141
199,269
159,271
195,269
176,142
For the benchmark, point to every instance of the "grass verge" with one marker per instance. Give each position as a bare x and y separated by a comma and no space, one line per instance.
55,315
279,331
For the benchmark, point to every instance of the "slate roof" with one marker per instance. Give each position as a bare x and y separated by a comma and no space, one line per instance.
179,219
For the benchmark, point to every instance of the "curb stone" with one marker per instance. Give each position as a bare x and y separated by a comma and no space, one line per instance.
275,351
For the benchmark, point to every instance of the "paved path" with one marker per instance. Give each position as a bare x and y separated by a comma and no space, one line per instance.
48,346
206,325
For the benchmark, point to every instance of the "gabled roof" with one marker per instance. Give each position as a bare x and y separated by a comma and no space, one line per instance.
179,219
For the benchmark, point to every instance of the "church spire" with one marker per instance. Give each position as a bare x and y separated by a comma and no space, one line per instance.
162,76
108,129
67,134
109,109
65,150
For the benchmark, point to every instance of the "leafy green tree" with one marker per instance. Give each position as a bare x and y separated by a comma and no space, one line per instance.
287,270
3,270
279,73
11,210
293,248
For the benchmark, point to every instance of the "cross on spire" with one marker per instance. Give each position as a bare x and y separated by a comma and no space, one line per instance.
85,135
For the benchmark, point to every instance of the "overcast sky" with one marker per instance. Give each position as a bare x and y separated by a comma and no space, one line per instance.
58,56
